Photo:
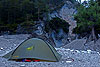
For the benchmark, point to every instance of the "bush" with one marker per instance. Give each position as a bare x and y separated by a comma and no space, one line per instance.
8,27
56,24
26,27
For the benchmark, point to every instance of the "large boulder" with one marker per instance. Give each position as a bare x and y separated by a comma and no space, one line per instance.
79,45
76,44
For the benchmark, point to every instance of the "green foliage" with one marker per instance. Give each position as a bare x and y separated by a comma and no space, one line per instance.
56,24
14,12
9,27
27,27
87,17
27,24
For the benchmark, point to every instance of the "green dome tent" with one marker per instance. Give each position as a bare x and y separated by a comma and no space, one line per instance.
34,48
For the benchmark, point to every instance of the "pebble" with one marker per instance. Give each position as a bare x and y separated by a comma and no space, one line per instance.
1,48
84,51
98,53
68,61
77,51
22,65
88,51
86,58
67,49
71,50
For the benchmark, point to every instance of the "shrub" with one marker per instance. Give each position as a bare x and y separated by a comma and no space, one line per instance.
26,27
56,24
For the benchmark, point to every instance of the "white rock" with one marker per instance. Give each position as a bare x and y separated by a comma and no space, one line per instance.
88,51
1,48
14,44
77,51
71,50
22,65
68,61
84,51
57,48
67,49
98,53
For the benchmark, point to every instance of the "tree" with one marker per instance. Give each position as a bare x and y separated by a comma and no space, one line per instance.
42,7
14,12
56,24
88,18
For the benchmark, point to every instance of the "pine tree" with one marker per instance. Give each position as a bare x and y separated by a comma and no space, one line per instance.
88,18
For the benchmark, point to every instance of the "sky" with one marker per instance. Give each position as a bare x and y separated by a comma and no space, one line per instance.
83,0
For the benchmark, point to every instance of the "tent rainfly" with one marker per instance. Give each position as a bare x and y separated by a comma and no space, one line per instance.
34,48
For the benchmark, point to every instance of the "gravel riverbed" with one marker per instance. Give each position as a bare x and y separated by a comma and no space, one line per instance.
70,58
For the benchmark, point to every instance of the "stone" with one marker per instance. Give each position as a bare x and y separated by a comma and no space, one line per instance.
1,48
22,65
88,51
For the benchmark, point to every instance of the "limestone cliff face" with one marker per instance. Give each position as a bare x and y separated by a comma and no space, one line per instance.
66,13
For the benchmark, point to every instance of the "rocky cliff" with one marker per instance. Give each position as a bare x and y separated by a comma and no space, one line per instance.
66,13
